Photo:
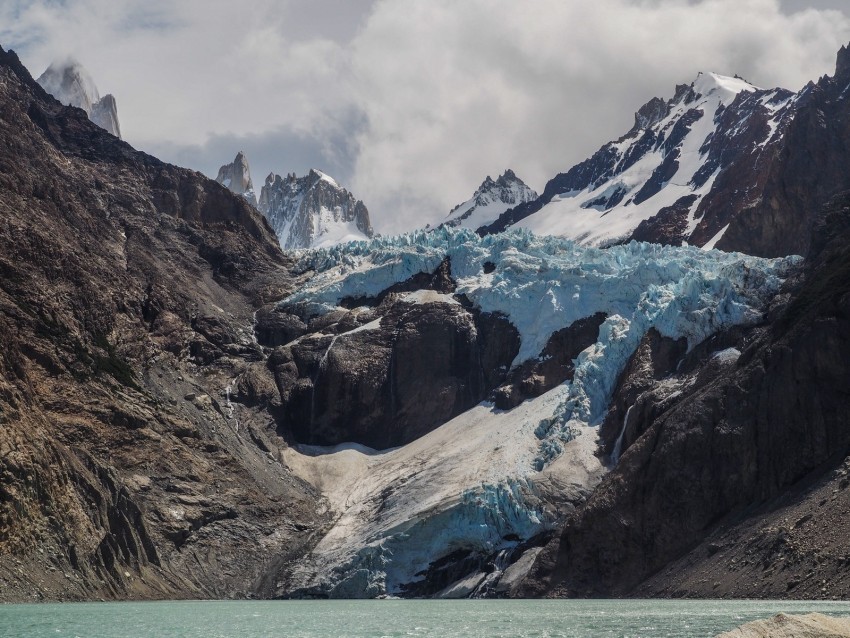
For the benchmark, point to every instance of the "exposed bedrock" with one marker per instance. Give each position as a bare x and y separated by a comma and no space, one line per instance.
126,295
385,376
554,365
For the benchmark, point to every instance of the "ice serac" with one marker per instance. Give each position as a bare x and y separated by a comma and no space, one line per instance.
313,211
491,200
237,177
70,83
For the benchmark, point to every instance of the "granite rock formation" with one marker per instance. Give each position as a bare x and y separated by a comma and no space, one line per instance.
70,83
237,177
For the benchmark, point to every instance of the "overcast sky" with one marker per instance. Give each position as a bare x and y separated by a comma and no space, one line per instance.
410,103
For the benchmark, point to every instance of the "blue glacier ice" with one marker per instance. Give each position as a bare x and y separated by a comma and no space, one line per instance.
542,284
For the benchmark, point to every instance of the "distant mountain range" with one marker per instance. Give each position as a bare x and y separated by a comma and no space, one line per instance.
305,212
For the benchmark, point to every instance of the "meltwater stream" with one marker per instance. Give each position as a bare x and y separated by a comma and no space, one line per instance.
396,618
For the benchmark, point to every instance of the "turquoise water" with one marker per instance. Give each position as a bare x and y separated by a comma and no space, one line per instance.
394,618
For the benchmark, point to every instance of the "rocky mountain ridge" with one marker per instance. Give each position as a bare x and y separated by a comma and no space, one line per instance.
312,211
126,300
721,165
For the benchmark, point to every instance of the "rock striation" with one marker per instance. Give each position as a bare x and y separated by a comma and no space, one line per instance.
127,286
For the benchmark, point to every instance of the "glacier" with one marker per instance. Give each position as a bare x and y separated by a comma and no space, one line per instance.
489,479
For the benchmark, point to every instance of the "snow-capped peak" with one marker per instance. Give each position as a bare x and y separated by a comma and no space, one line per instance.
722,86
491,199
69,82
312,211
324,176
673,177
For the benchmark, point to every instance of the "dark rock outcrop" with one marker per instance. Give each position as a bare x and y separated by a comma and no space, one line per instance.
554,365
387,375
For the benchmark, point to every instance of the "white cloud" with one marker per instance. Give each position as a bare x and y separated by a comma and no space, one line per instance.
412,101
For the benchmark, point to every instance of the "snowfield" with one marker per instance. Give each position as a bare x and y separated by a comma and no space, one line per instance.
490,477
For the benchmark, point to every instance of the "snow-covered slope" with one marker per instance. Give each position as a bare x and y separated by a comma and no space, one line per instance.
488,480
72,85
237,177
687,167
491,200
313,211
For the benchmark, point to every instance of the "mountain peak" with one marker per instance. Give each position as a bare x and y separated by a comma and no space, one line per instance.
491,199
313,211
237,177
69,82
651,113
725,87
842,63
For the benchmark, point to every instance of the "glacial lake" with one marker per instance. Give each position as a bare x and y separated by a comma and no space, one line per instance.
395,618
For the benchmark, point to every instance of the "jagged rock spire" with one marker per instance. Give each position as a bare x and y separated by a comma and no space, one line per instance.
237,177
842,63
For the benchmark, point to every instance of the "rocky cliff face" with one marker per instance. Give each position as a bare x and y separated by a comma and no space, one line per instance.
730,458
72,85
364,375
722,164
126,295
312,211
237,177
